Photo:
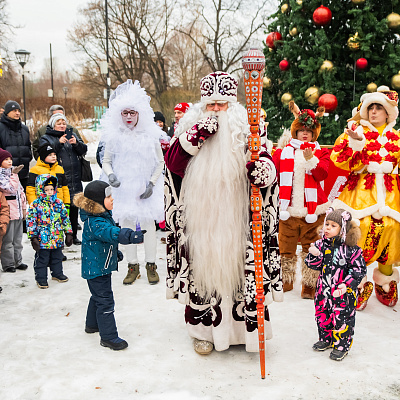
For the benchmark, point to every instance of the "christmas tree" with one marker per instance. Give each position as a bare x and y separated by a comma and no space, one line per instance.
318,54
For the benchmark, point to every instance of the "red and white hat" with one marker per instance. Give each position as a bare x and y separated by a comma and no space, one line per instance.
218,86
182,107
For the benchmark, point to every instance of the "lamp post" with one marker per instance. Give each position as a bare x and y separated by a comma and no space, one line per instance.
22,57
107,55
65,90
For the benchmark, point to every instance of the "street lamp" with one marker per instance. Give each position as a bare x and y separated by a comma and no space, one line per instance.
65,90
22,57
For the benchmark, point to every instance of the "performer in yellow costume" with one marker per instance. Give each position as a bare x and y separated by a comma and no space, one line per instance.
370,149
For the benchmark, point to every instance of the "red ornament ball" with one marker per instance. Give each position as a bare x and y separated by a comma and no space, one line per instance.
322,16
272,38
361,63
329,101
284,65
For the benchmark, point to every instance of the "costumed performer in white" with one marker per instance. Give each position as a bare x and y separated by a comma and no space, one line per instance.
133,162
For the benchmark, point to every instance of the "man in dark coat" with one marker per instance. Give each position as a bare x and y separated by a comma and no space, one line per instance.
14,137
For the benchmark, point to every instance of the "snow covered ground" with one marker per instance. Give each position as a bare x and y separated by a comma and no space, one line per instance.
45,353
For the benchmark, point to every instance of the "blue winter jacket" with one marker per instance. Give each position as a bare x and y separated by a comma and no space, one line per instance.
99,244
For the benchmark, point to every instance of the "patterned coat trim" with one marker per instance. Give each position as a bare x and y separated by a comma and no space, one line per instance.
178,279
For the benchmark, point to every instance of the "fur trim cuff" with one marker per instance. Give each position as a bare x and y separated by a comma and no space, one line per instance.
188,146
357,145
384,280
311,163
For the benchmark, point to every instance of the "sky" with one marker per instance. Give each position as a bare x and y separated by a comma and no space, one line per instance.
43,22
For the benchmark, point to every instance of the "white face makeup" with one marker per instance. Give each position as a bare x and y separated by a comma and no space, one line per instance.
130,118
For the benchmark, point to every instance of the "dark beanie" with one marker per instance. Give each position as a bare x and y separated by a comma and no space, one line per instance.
45,150
96,191
158,116
3,155
11,105
51,181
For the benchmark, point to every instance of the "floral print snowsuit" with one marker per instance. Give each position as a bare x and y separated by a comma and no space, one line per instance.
335,316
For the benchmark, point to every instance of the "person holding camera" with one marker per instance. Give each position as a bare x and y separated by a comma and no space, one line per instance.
69,148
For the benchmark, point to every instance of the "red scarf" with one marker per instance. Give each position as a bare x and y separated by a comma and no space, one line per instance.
286,178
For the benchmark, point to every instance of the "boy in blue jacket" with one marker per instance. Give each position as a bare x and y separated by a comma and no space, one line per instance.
100,256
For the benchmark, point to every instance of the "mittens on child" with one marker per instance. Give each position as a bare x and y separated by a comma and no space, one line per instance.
69,239
124,235
120,256
35,243
313,250
137,237
340,290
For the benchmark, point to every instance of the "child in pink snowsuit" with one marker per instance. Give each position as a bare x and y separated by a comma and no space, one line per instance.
342,267
11,249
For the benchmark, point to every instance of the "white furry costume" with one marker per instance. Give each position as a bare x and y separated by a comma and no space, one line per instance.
135,157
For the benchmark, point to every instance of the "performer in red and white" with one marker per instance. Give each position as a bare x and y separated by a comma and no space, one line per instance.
301,166
210,259
179,112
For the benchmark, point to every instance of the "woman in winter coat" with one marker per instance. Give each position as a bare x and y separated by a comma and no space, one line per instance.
342,268
69,149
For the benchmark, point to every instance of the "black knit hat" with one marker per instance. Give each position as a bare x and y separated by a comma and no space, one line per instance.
97,191
45,150
158,116
11,105
51,181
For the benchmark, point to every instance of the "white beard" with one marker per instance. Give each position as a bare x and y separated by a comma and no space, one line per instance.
215,192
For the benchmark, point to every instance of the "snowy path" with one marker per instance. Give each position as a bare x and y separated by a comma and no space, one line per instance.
45,353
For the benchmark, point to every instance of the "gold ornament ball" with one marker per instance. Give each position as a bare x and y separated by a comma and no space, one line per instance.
293,31
270,49
284,8
299,2
371,87
311,95
353,42
326,66
393,20
396,81
358,1
286,98
267,83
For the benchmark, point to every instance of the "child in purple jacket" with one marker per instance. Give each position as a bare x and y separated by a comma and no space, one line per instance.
342,267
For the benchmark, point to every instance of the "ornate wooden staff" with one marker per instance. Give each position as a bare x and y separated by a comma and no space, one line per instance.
253,64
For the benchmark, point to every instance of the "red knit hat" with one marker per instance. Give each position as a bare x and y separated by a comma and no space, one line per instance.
3,155
181,107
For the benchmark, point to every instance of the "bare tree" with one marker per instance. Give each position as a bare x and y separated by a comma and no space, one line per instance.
228,27
138,33
9,78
